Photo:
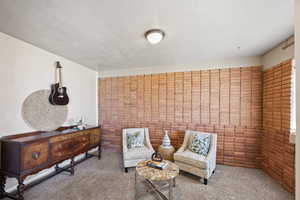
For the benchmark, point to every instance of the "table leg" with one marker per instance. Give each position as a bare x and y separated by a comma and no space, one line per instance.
135,189
171,184
174,182
156,190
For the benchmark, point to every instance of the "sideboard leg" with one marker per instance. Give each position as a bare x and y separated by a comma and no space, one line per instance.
99,151
20,189
56,167
2,185
72,170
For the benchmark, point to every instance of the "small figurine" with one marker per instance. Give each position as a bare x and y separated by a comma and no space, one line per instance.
156,157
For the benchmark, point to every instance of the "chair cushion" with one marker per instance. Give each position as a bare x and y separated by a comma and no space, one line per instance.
138,153
191,158
135,138
200,144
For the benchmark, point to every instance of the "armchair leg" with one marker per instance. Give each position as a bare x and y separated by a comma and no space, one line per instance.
126,170
205,181
213,171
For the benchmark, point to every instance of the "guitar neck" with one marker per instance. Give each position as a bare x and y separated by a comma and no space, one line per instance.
59,78
59,67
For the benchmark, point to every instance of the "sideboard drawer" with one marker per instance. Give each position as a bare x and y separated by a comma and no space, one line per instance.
34,155
69,147
69,136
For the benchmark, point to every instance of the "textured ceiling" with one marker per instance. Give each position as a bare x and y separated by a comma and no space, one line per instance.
108,34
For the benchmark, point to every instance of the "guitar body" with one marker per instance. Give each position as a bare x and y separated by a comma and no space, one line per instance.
58,95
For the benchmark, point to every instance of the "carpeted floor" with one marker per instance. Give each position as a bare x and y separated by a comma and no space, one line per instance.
105,180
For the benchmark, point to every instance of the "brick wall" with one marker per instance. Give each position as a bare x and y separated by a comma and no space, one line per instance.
278,155
226,101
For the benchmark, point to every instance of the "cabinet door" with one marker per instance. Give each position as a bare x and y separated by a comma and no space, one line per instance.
69,147
34,155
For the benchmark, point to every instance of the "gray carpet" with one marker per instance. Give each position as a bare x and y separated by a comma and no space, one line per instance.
104,179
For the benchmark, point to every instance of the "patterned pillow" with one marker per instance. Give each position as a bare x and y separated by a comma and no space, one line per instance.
200,144
135,139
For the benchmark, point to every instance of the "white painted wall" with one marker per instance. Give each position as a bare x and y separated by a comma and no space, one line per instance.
210,64
278,55
297,56
24,69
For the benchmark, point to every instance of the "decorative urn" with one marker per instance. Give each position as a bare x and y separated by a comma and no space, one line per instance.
166,149
166,140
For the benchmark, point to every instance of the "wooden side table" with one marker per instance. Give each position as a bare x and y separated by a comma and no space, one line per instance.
167,152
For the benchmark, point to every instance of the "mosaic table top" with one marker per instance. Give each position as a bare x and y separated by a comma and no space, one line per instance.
170,172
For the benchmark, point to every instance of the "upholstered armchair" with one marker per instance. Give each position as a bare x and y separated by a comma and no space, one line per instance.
131,156
194,163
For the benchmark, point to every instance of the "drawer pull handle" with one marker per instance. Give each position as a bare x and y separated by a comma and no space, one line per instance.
35,155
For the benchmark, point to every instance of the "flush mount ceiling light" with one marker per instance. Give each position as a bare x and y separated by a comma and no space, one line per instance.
154,36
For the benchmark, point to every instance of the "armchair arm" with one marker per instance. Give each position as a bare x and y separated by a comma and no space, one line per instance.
124,141
181,149
212,154
185,142
148,142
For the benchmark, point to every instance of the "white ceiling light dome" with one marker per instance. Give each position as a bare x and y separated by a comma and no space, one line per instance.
154,36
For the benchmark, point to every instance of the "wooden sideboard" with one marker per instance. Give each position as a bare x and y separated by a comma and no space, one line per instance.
26,154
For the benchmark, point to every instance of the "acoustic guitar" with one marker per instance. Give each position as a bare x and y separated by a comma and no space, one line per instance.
58,94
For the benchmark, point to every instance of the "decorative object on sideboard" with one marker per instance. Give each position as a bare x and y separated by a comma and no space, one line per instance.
59,94
40,115
81,123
